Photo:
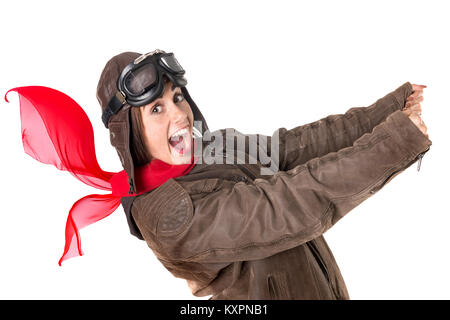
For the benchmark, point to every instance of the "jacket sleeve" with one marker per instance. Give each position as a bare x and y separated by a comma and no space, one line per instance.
255,220
335,132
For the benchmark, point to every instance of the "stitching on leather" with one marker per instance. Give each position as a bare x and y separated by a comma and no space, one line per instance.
339,117
115,129
337,157
331,122
325,216
157,203
396,100
179,194
301,168
380,178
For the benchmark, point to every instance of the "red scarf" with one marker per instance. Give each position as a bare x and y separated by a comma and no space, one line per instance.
57,131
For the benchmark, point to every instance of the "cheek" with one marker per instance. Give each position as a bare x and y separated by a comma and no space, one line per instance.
155,134
187,109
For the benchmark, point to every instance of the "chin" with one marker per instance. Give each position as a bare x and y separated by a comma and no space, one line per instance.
181,159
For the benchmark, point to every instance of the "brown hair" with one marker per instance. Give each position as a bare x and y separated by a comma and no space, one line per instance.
138,147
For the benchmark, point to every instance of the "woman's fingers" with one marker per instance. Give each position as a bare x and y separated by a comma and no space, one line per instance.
417,90
412,103
413,109
414,99
416,111
417,108
418,86
415,95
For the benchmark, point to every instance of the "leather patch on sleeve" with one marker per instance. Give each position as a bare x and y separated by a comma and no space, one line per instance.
164,211
175,217
176,213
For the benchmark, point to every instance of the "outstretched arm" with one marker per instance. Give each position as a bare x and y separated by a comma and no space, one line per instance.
246,221
335,132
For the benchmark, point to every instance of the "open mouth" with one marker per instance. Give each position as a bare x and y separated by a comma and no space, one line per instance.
181,141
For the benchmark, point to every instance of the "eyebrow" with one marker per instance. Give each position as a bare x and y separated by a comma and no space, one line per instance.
162,93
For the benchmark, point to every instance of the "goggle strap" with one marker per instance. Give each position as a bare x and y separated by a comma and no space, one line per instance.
114,105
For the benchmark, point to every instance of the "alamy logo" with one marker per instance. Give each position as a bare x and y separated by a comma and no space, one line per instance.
237,148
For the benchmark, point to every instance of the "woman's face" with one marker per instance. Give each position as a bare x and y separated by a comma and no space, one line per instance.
162,121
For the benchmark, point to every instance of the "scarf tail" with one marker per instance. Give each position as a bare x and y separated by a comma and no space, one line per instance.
85,211
57,131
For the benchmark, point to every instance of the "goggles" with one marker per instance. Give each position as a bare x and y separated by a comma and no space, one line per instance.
141,81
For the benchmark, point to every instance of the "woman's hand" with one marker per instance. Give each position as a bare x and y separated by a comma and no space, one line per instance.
413,109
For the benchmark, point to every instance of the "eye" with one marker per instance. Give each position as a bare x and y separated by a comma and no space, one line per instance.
156,107
178,97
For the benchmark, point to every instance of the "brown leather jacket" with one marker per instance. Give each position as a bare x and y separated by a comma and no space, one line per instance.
236,234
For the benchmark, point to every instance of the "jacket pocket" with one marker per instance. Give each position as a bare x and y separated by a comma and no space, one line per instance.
319,259
329,276
278,286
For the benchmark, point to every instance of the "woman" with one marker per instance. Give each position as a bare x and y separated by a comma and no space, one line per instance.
212,210
234,233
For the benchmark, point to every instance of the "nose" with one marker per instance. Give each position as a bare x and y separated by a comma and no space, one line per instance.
177,115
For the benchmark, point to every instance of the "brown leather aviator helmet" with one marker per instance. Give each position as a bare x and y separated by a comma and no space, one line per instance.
119,124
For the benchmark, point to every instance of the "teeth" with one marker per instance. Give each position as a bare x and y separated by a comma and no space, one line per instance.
179,133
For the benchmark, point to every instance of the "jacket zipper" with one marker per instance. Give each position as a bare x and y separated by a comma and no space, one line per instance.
239,179
419,163
391,176
247,172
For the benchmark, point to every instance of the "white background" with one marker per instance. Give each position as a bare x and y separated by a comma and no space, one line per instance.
252,65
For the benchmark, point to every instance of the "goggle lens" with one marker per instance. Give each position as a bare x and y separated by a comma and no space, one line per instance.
139,80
